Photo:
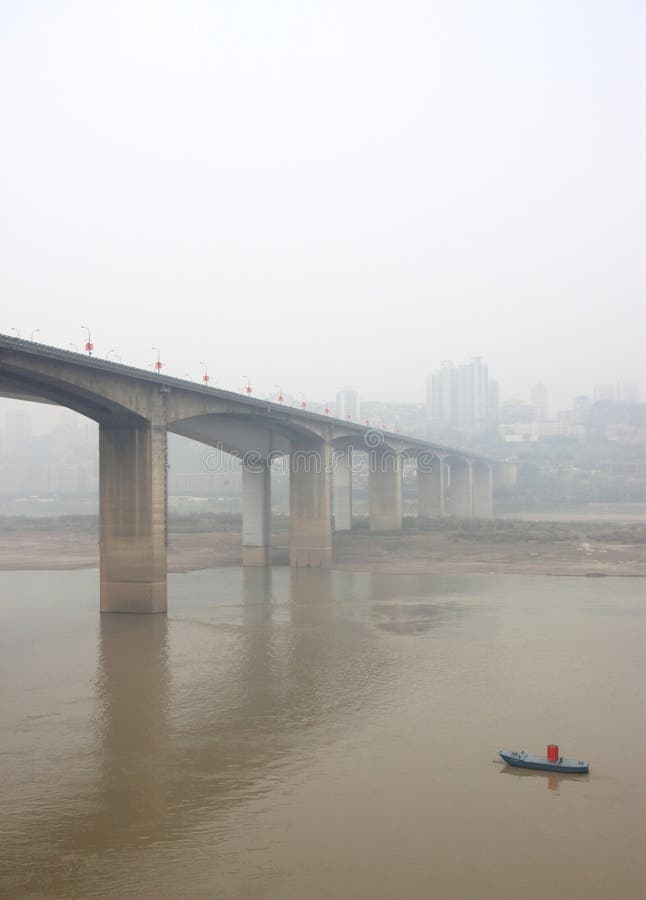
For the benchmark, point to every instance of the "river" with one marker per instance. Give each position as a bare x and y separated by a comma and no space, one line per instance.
313,734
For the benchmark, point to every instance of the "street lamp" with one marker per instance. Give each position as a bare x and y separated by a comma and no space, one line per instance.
107,355
35,331
76,346
280,397
205,377
248,388
17,332
158,364
89,346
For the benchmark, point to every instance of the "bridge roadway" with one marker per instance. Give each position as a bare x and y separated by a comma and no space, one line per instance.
135,410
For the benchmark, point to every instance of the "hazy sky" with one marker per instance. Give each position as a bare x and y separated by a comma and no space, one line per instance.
325,193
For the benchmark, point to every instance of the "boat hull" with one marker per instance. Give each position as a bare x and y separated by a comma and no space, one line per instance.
527,761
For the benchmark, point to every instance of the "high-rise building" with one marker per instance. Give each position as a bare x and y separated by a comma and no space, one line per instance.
493,403
628,392
347,405
458,396
539,400
604,392
581,406
513,411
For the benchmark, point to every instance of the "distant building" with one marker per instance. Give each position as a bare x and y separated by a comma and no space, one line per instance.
493,403
516,412
628,392
458,396
539,401
606,392
347,405
530,432
581,406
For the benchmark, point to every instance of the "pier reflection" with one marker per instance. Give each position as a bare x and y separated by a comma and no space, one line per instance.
189,723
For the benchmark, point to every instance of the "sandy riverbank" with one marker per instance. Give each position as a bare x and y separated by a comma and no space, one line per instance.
494,547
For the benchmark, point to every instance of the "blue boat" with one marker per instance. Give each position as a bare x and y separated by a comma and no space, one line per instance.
527,761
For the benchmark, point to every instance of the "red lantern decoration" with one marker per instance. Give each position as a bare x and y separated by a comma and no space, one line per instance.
89,346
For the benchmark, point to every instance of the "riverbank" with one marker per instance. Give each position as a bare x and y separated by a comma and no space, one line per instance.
497,546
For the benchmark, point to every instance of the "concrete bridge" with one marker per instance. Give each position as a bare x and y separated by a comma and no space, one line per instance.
135,410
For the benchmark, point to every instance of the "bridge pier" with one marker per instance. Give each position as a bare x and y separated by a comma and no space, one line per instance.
132,518
482,490
310,506
256,514
342,489
430,486
385,489
461,491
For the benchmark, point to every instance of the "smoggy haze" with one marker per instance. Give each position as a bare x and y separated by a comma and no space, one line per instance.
329,193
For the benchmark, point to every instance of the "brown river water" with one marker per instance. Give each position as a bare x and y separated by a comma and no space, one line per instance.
308,734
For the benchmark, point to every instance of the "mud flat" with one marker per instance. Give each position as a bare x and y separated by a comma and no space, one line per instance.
446,546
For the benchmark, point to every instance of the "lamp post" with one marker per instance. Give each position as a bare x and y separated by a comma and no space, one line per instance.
76,346
89,346
158,365
280,397
35,331
248,388
205,377
17,332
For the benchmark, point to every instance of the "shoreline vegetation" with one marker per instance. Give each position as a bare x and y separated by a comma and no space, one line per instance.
443,546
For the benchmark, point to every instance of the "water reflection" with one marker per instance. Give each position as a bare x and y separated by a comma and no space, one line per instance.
132,726
553,780
194,715
277,712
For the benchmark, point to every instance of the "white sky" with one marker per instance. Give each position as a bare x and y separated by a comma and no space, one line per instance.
329,193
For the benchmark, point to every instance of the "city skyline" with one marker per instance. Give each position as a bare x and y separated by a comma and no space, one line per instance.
44,416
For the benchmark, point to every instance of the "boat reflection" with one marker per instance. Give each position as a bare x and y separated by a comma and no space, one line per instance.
553,780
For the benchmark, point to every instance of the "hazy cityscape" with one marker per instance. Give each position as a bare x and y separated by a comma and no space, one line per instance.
322,450
52,466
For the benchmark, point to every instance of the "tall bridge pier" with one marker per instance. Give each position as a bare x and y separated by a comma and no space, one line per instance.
132,518
256,514
430,485
310,504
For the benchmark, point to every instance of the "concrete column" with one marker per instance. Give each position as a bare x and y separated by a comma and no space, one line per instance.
430,486
132,518
256,514
342,489
385,489
482,491
310,507
506,474
461,490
